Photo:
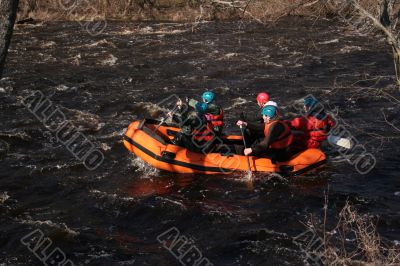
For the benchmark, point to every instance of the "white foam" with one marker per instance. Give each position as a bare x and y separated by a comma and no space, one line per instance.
3,197
272,64
110,197
83,120
237,102
161,33
175,202
349,49
330,41
105,146
62,226
147,29
110,60
230,55
47,44
62,87
222,90
102,42
127,32
148,170
149,107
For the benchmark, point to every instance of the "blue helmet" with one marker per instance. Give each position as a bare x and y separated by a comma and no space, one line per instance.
269,111
201,107
208,96
310,101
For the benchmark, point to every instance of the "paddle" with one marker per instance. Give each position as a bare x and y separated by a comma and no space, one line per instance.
339,141
248,159
165,118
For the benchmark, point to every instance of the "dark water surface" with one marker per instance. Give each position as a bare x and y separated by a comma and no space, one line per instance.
112,215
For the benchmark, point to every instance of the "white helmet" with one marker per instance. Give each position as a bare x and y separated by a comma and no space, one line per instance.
271,103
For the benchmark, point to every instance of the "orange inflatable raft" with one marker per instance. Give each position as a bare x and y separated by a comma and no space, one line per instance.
152,143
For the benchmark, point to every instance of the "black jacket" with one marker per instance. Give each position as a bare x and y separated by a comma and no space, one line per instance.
263,145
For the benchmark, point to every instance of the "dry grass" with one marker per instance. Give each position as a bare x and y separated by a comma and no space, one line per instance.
108,9
353,241
176,10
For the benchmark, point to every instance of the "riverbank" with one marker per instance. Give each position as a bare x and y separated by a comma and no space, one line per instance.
183,10
114,214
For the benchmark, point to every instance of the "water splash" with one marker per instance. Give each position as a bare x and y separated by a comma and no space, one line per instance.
110,60
3,197
148,170
237,102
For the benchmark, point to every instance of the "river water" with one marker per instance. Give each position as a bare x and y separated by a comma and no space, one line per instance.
112,215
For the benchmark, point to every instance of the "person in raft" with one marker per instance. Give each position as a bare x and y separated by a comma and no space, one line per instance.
313,128
262,101
277,136
200,123
212,113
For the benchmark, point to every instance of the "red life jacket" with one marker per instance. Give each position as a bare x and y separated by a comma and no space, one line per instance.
205,133
216,120
284,140
318,129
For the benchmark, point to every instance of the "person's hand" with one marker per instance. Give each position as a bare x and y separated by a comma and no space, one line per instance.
169,114
241,123
248,151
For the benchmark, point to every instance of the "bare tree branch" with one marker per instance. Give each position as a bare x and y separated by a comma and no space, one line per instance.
8,13
391,36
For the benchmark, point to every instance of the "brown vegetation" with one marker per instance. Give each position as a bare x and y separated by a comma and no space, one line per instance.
178,10
353,241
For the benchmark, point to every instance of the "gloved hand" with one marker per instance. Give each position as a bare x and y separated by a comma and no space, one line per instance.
241,123
247,151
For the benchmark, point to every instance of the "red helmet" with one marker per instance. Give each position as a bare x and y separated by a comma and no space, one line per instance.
262,98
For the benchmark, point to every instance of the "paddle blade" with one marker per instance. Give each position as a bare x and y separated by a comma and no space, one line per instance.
249,180
338,141
249,175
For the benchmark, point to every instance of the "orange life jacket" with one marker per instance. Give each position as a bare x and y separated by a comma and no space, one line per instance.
216,120
284,140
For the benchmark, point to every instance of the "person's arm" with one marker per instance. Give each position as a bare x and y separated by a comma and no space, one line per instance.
299,123
213,109
255,119
192,103
181,114
178,117
274,133
255,127
331,123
